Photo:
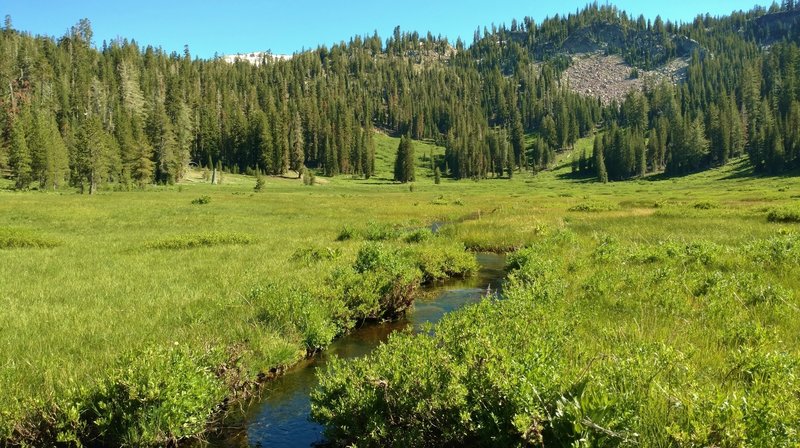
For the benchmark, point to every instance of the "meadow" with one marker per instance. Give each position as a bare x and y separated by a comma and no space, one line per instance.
109,301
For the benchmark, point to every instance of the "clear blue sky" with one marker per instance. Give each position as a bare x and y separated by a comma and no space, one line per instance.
238,26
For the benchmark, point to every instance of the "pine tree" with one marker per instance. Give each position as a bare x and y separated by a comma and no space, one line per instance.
91,158
52,169
582,162
367,154
437,176
19,155
599,160
517,138
297,145
404,161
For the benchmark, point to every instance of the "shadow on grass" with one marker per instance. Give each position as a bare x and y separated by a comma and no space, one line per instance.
583,178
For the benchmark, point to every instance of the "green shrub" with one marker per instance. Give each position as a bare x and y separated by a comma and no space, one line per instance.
200,240
785,215
590,207
347,233
260,184
778,251
296,312
380,232
202,200
705,205
382,283
418,236
153,398
444,260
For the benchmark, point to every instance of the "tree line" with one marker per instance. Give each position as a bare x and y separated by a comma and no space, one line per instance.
72,113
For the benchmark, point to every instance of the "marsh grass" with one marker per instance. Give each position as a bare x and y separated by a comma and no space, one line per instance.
200,240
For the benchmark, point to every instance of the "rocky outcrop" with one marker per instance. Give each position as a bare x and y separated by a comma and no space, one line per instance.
609,77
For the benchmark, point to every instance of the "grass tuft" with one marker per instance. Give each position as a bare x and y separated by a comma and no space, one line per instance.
21,239
200,240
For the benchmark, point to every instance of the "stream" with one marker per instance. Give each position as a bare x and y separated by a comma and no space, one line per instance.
281,418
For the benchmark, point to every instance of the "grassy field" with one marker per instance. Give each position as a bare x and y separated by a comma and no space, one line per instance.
87,280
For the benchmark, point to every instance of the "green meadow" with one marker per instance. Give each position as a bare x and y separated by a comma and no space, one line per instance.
130,290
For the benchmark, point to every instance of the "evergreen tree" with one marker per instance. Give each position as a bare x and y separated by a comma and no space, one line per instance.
404,161
19,155
599,160
297,145
91,158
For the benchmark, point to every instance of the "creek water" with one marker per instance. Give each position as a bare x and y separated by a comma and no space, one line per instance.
281,418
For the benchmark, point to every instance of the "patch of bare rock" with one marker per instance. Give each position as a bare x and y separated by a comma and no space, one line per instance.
609,77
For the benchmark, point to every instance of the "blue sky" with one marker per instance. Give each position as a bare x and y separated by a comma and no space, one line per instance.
234,26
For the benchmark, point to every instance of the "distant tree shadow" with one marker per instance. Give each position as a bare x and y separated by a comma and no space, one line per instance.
583,178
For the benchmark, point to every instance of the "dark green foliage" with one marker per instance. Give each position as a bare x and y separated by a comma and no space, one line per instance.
418,236
404,169
19,156
590,207
203,200
319,108
784,215
437,176
289,310
599,160
153,398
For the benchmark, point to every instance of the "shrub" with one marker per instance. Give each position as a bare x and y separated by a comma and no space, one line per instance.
444,260
347,233
381,284
590,207
295,312
202,200
260,184
380,232
153,398
784,215
418,236
705,205
309,178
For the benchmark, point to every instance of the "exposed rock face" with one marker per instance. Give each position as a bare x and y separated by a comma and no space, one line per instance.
256,57
609,77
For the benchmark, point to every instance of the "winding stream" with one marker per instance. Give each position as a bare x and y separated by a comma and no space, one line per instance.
281,419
